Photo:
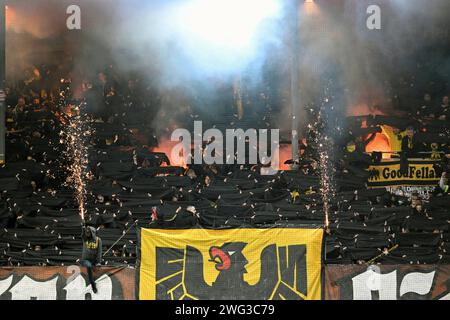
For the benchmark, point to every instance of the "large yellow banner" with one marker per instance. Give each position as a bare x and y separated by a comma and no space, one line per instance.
233,264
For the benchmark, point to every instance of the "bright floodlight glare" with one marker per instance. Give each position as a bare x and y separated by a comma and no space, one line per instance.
226,23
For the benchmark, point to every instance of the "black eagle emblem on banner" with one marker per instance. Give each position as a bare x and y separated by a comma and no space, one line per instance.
180,273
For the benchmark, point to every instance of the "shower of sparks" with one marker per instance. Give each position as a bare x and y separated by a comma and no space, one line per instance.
326,175
74,136
324,145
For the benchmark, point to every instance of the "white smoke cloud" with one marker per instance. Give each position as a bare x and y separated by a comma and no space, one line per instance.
147,35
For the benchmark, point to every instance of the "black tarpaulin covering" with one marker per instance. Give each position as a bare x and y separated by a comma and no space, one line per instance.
135,187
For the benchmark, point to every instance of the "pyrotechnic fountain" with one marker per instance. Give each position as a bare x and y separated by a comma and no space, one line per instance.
74,136
324,147
326,174
75,133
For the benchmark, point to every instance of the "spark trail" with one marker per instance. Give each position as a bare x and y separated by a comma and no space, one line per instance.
324,149
326,175
75,134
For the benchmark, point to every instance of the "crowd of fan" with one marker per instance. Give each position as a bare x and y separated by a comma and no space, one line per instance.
132,186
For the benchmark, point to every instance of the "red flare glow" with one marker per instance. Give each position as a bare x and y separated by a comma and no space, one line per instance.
380,144
167,147
285,154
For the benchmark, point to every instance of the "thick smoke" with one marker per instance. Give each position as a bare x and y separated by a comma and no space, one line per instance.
149,37
371,71
353,69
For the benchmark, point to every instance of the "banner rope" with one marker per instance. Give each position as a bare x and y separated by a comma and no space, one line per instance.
123,235
382,254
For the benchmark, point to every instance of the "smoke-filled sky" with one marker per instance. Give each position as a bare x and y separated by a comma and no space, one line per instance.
339,57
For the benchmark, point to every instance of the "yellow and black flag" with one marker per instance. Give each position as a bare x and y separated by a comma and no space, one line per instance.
233,264
389,174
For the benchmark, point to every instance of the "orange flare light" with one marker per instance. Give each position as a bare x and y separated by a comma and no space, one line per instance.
166,147
285,154
380,144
